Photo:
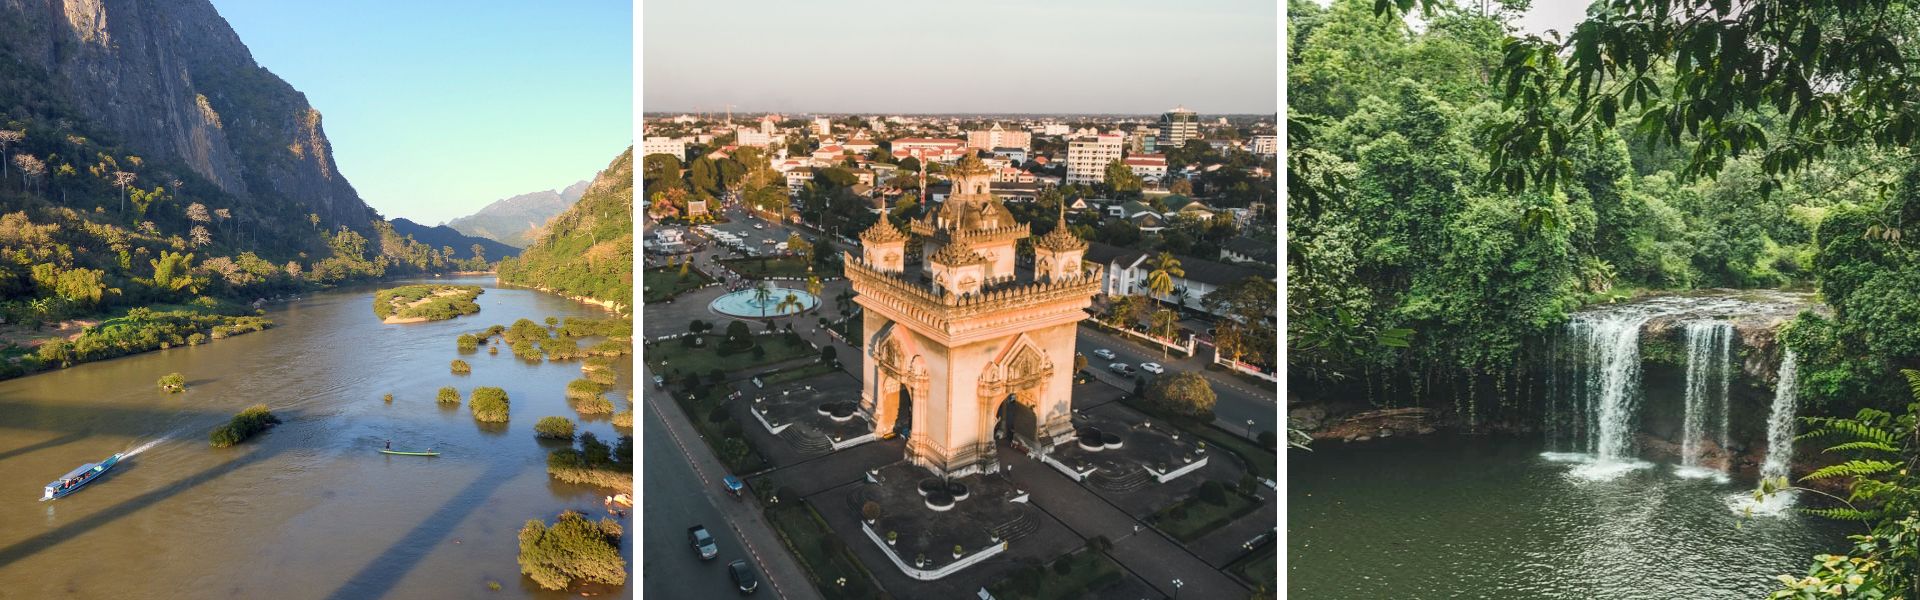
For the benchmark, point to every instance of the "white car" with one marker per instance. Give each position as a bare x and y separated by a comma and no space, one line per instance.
1152,367
759,226
1104,353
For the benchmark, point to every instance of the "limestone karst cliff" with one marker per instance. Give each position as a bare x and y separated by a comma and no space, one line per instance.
171,81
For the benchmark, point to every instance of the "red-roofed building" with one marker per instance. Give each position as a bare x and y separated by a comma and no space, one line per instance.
1150,167
944,150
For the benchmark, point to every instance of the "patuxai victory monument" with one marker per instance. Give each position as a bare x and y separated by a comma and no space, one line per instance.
975,346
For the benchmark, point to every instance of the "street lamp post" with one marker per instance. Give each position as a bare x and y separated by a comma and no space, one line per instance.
1249,427
1176,588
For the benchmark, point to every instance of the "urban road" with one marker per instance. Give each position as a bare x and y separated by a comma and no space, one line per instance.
681,488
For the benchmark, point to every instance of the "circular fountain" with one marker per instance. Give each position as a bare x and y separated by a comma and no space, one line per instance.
750,304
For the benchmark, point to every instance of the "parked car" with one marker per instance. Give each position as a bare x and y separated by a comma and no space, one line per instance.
1083,376
743,576
1121,368
1152,367
1103,353
702,542
759,226
659,382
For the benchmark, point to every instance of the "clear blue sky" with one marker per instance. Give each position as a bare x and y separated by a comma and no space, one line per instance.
437,107
894,56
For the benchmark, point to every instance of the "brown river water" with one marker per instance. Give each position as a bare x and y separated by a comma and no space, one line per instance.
308,509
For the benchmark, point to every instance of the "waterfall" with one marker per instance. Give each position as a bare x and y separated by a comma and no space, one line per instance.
1709,353
1780,421
1610,390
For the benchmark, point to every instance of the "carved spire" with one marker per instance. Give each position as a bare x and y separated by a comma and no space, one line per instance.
956,254
1061,239
882,232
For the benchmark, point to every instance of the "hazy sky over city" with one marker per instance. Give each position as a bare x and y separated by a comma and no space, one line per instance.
437,107
870,56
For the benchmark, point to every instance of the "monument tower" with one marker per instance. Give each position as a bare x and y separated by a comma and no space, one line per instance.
973,346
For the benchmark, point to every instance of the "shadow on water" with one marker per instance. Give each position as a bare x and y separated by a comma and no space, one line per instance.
29,546
44,444
386,570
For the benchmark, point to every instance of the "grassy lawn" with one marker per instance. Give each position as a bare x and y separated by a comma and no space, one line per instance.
724,437
670,358
826,558
1192,517
757,268
1087,572
663,283
797,373
1260,568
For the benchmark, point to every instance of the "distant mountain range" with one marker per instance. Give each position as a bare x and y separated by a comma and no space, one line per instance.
586,251
517,221
440,236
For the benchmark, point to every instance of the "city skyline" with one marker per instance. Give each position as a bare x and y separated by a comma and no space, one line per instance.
970,58
479,106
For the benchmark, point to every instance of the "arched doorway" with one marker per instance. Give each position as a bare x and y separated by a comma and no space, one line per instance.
903,419
1015,420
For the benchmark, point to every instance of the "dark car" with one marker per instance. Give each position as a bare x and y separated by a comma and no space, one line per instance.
743,576
1083,376
702,542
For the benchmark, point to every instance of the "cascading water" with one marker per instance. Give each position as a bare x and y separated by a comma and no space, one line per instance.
1611,388
1786,403
1709,365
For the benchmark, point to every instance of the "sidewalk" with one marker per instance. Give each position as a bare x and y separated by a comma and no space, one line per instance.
783,573
1144,552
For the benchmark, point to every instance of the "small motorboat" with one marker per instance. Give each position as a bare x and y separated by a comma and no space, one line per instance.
76,478
427,452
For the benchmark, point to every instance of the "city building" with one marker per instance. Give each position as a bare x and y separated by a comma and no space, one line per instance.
1013,154
1152,168
754,137
861,143
675,147
797,179
1266,145
1127,270
1088,157
1055,129
1177,126
822,126
996,137
941,150
971,345
1143,140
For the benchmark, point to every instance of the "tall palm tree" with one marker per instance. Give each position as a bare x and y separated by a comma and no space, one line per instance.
761,294
791,301
1165,268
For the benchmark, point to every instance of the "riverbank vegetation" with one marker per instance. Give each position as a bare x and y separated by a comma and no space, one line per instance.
460,367
586,250
135,330
253,420
448,396
595,463
173,383
424,302
489,404
574,550
554,428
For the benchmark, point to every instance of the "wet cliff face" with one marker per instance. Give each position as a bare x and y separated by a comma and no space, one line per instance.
171,80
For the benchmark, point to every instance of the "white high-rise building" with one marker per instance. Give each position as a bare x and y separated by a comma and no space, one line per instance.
675,147
1177,126
1266,145
1087,157
823,126
999,138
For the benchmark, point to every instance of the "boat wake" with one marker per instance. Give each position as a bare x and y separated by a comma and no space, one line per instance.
149,444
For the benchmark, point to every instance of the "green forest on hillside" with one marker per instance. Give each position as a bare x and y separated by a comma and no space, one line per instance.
1457,188
587,250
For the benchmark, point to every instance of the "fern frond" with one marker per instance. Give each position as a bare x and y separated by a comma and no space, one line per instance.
1841,513
1875,446
1852,468
1913,381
